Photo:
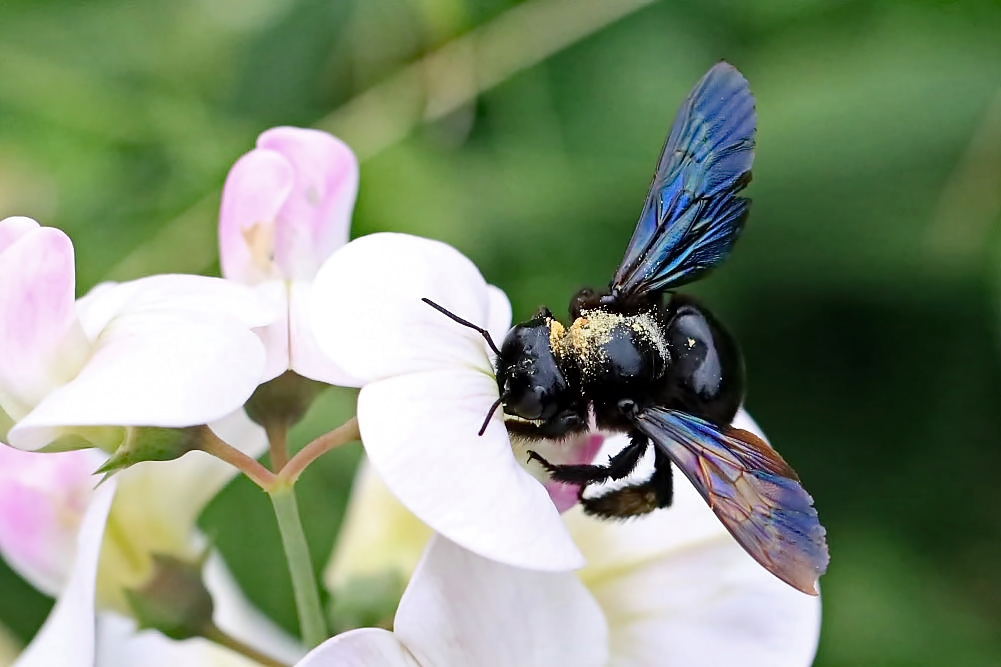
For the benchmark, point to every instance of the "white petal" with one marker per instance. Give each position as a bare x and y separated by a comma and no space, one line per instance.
367,647
121,644
174,294
420,433
462,609
367,311
67,637
304,352
151,370
275,336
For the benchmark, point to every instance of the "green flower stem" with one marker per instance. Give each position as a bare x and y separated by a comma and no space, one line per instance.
300,566
342,435
213,633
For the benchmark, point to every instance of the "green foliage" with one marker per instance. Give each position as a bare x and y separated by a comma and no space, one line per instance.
864,290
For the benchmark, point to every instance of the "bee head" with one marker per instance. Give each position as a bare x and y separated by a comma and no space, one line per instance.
533,384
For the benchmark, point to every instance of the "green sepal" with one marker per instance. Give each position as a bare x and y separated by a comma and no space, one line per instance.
151,443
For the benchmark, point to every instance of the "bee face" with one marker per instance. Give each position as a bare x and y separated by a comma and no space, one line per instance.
533,382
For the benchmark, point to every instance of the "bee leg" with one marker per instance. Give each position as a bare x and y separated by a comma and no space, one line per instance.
619,466
636,499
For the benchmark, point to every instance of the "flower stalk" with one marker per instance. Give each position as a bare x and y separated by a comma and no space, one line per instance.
304,586
214,634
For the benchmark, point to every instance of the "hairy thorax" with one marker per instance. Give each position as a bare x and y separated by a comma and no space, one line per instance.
613,351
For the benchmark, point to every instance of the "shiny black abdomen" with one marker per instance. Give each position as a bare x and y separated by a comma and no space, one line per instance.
706,377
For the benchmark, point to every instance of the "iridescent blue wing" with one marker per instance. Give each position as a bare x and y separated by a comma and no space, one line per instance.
752,491
692,215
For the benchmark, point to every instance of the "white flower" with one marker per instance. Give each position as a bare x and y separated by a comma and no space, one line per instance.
286,207
164,351
462,609
52,527
427,385
673,586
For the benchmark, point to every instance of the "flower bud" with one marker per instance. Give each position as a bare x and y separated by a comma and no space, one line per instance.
283,400
173,601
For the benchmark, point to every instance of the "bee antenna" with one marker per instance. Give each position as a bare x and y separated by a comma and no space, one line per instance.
466,323
493,409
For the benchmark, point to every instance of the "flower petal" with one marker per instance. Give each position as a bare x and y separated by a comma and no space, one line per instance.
579,450
419,431
151,370
175,296
13,228
41,340
67,636
43,498
367,311
361,648
314,219
121,644
306,358
462,609
256,188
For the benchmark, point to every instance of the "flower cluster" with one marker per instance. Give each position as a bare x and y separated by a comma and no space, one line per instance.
125,411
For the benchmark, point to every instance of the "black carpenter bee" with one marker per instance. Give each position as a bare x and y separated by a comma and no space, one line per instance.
641,359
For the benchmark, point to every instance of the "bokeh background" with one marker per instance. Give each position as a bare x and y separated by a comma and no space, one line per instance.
865,290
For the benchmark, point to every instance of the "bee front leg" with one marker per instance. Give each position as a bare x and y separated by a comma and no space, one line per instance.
618,466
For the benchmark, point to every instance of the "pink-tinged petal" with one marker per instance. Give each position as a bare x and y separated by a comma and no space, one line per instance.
420,433
150,369
463,609
43,498
67,637
256,189
576,451
176,296
306,357
39,335
368,316
13,228
314,219
361,648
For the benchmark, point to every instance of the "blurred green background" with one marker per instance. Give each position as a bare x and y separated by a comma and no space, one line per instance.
864,291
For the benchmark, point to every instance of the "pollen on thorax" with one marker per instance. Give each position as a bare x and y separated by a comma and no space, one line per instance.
586,339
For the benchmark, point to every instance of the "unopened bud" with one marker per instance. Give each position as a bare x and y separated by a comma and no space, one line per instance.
174,601
283,400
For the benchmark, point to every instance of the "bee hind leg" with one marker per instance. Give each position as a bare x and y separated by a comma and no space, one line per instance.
636,499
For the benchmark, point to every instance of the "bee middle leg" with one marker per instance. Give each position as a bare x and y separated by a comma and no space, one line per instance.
618,466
